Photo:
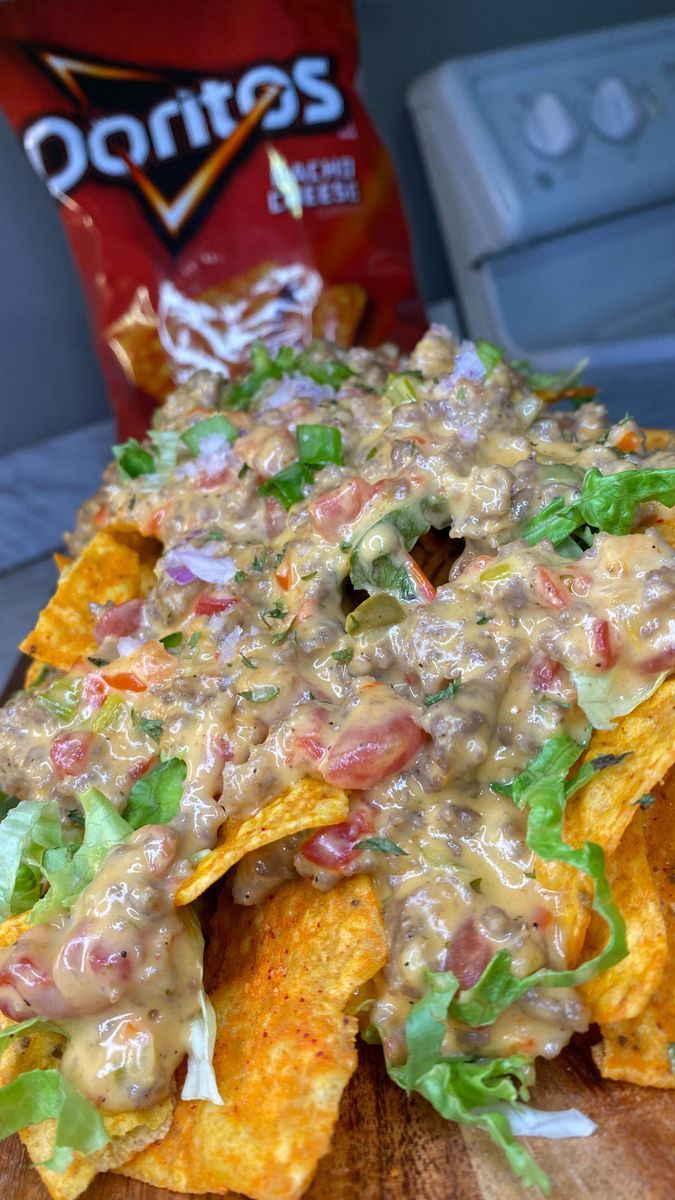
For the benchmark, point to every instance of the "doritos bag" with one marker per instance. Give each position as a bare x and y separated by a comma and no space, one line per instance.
217,176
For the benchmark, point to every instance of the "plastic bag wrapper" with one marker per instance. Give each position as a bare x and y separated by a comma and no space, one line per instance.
217,177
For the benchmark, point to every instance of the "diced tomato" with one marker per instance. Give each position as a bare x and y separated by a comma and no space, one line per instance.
542,917
208,604
663,661
139,769
332,848
150,663
69,753
545,673
423,586
366,753
468,954
224,748
120,621
274,517
154,523
208,483
101,515
94,692
104,960
478,563
629,442
126,681
550,589
330,511
604,654
27,988
580,585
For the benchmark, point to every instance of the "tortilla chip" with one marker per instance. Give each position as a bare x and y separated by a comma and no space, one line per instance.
61,561
308,804
34,673
136,344
338,312
129,1132
12,928
602,811
285,1051
626,988
658,439
638,1050
106,571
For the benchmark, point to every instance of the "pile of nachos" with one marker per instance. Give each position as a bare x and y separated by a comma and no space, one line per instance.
352,711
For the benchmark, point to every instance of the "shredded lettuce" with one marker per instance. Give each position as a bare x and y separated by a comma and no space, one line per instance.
526,1121
543,789
155,798
603,698
63,697
460,1088
32,1025
70,868
42,1094
607,502
465,1089
29,830
200,1079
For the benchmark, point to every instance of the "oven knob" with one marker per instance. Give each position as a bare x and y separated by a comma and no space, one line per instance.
549,127
614,112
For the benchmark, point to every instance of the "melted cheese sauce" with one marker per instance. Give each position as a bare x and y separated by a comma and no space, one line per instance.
415,704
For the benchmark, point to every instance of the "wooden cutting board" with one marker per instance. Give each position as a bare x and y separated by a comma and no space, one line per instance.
389,1147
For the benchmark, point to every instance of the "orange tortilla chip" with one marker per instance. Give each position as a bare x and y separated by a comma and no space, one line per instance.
136,344
602,811
106,571
285,1051
658,439
129,1132
638,1050
12,928
306,805
338,313
625,989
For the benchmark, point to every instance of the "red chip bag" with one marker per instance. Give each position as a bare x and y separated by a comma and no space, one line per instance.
217,176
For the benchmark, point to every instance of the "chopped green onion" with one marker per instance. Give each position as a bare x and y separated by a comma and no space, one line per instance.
288,486
132,460
382,845
319,445
152,728
172,640
450,689
345,655
260,695
489,354
194,436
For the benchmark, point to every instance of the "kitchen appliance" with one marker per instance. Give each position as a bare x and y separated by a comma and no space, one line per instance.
552,169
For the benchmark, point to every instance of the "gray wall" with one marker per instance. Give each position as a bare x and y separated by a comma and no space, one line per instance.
50,380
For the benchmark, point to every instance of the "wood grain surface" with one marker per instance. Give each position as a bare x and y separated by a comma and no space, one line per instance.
390,1147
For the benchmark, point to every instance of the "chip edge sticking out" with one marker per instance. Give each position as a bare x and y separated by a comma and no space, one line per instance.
307,804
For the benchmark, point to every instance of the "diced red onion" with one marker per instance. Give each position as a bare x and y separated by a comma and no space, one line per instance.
467,364
301,387
185,564
229,644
